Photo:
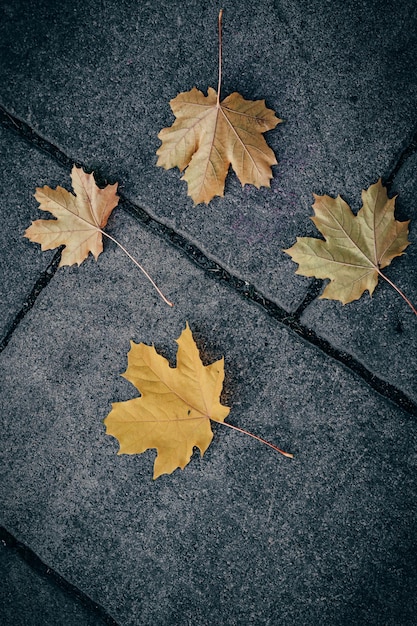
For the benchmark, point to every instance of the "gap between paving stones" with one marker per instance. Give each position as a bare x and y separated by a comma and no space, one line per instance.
214,269
46,572
43,280
408,151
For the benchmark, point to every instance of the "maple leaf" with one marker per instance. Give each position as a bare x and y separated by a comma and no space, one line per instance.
79,222
208,136
80,218
356,248
175,408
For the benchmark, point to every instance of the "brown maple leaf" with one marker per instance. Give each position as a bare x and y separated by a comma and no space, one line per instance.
174,411
80,218
356,248
208,136
79,222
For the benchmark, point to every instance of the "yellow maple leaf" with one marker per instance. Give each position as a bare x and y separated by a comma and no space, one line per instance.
208,136
80,218
356,248
175,408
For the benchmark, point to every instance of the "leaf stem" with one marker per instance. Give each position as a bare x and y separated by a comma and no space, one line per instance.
220,57
241,430
271,445
137,265
398,291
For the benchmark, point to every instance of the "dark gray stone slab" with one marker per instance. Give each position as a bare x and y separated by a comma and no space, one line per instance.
405,187
96,81
31,599
23,169
381,332
242,535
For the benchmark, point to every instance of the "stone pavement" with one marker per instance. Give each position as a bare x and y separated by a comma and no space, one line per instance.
242,536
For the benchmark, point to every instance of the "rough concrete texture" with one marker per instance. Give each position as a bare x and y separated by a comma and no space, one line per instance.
20,262
34,598
381,332
243,535
97,81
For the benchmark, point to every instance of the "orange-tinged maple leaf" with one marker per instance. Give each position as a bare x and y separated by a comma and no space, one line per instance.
356,248
80,218
175,408
209,135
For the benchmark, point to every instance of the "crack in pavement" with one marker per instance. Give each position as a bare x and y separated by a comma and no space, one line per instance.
43,280
405,154
213,269
55,579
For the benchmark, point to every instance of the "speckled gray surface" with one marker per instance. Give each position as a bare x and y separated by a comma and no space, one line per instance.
32,598
241,518
23,169
97,81
242,536
381,331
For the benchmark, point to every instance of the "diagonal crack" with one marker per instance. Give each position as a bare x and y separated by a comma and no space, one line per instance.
315,287
43,280
217,272
47,573
405,154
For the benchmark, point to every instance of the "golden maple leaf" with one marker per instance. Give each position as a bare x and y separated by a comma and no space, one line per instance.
208,136
356,248
80,217
175,408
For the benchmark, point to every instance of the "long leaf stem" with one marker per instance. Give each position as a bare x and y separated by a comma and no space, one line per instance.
240,430
137,265
398,291
271,445
220,58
